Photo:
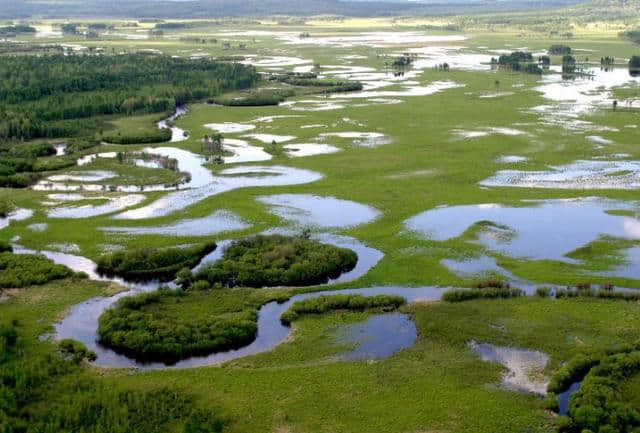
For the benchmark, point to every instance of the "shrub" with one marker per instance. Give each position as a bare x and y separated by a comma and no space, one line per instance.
76,351
543,292
6,208
634,65
490,283
551,402
139,328
157,136
461,295
559,50
275,260
598,405
5,247
152,263
23,270
255,99
325,304
606,292
572,372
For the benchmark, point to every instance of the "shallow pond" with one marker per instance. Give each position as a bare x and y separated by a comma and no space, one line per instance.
309,149
576,175
230,127
408,90
372,39
378,337
363,139
83,176
227,180
319,212
515,231
524,367
15,215
218,222
243,152
114,204
271,138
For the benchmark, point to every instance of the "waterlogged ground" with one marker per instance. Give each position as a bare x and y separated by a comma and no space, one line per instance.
435,178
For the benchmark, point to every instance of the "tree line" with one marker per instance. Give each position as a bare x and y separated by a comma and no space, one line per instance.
41,96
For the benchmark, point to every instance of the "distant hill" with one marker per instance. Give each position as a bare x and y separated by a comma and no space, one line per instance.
221,8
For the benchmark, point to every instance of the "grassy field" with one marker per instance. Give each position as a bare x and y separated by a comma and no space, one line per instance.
439,384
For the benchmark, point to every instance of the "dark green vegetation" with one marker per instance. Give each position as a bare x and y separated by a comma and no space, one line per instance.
23,270
332,304
634,65
5,247
632,35
21,163
559,50
257,98
141,327
156,136
518,61
16,30
599,406
483,289
276,260
41,96
46,392
143,264
75,351
603,293
5,208
311,79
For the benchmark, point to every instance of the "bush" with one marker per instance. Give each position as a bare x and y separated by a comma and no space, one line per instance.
255,99
6,208
5,247
152,263
325,304
23,270
606,292
276,260
461,295
75,350
598,404
559,50
572,372
634,65
137,327
157,136
543,292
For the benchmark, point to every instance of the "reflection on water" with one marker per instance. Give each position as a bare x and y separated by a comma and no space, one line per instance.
524,367
217,222
319,212
15,215
576,175
226,180
563,398
542,230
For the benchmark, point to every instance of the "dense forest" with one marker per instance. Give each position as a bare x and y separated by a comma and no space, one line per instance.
42,96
